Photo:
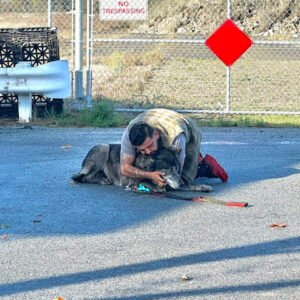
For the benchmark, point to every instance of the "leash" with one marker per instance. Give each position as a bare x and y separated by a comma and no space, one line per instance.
201,199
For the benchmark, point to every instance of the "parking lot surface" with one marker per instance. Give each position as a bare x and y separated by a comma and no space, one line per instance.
83,241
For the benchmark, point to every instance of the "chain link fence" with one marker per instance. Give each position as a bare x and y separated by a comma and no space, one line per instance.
162,61
266,78
152,53
41,13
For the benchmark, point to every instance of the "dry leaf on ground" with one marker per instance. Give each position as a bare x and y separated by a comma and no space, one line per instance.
278,225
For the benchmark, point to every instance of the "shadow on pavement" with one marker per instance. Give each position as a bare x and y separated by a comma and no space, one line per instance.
284,246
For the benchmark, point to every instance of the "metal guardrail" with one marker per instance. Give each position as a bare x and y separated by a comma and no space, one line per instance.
51,80
36,45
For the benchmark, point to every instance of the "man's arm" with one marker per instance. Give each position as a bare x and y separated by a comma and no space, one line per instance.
127,169
179,146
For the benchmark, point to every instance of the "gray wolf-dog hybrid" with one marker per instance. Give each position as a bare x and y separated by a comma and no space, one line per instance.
102,166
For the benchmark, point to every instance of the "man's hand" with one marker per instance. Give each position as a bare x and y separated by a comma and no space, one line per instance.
127,169
157,178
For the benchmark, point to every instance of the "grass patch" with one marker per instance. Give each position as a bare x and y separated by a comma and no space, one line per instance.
119,60
102,114
247,120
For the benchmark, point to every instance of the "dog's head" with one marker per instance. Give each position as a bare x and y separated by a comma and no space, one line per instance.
163,160
172,177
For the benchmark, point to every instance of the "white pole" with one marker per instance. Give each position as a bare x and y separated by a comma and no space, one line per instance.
227,89
72,51
89,52
228,9
228,95
50,13
78,50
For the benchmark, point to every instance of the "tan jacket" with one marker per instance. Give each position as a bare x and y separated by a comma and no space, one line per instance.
171,124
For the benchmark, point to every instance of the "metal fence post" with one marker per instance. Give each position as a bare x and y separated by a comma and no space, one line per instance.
89,38
49,13
78,49
228,81
227,109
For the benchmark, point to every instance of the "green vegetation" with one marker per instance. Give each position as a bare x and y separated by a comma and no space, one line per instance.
101,115
104,115
231,120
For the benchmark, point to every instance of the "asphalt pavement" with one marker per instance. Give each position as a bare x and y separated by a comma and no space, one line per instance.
84,241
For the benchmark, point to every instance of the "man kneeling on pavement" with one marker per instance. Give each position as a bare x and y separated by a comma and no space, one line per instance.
157,128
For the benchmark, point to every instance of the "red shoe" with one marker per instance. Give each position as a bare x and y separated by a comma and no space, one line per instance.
215,169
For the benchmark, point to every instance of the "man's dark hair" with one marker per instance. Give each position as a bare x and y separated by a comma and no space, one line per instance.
139,132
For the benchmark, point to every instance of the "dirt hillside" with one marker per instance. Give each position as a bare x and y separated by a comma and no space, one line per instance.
278,19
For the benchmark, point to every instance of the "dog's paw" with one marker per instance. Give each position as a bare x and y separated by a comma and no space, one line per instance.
203,188
207,188
77,177
104,181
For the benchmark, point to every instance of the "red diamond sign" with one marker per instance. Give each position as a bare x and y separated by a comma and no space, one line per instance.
228,42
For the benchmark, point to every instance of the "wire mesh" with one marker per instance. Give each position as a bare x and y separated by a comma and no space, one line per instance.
35,13
162,61
268,19
158,74
267,80
159,59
